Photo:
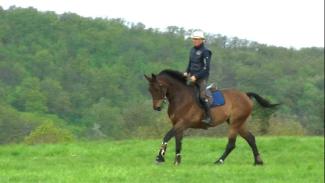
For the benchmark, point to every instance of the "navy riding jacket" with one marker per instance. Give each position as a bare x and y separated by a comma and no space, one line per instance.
199,62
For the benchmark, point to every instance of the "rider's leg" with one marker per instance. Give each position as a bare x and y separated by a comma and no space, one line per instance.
204,98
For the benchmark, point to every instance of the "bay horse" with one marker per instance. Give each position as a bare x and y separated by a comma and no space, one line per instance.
185,112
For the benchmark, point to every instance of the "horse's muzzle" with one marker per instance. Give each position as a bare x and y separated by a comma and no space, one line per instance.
160,105
157,108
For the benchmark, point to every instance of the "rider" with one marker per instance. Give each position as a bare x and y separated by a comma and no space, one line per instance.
198,69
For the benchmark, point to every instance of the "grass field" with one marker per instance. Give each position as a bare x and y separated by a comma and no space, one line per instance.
287,159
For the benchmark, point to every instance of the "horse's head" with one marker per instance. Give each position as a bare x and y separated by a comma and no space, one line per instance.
158,92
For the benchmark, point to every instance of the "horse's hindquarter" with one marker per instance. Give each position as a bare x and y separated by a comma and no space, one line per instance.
236,102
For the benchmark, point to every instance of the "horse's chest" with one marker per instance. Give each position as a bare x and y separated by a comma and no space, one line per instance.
173,118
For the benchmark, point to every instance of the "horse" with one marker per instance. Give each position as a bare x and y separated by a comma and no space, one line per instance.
185,112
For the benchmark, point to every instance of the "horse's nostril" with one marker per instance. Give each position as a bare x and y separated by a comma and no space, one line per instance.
158,108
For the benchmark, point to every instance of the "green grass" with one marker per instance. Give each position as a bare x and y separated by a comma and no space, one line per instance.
287,159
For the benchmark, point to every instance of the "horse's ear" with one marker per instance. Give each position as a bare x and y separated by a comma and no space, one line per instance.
148,78
153,76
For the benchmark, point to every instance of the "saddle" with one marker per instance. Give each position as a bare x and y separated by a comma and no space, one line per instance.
214,95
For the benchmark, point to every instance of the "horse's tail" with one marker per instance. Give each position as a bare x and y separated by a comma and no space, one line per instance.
263,102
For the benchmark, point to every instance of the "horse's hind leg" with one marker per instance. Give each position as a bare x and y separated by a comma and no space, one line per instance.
232,135
249,137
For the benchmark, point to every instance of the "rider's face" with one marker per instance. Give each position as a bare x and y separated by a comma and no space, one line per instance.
197,42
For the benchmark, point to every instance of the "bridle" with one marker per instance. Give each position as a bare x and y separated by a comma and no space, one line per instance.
163,96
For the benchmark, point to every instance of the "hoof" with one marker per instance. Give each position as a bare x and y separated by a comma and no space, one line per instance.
258,163
177,160
160,159
219,162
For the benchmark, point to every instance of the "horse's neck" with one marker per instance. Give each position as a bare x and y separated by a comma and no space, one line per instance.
179,94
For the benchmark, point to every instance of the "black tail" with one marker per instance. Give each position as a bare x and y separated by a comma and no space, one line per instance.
260,100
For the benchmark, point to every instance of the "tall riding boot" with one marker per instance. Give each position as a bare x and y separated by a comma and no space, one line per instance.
207,117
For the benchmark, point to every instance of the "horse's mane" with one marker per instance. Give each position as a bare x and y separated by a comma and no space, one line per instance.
174,74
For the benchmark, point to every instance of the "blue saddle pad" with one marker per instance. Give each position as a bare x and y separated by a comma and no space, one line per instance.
218,99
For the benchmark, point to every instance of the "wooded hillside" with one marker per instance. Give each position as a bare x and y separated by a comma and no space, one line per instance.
86,75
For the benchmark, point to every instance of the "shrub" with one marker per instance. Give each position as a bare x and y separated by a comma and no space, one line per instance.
48,133
285,126
13,126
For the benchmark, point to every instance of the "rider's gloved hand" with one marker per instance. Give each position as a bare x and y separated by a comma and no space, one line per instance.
193,78
185,74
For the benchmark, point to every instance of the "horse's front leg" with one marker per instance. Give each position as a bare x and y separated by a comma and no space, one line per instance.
178,142
161,155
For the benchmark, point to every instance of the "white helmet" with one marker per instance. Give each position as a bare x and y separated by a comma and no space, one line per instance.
197,35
